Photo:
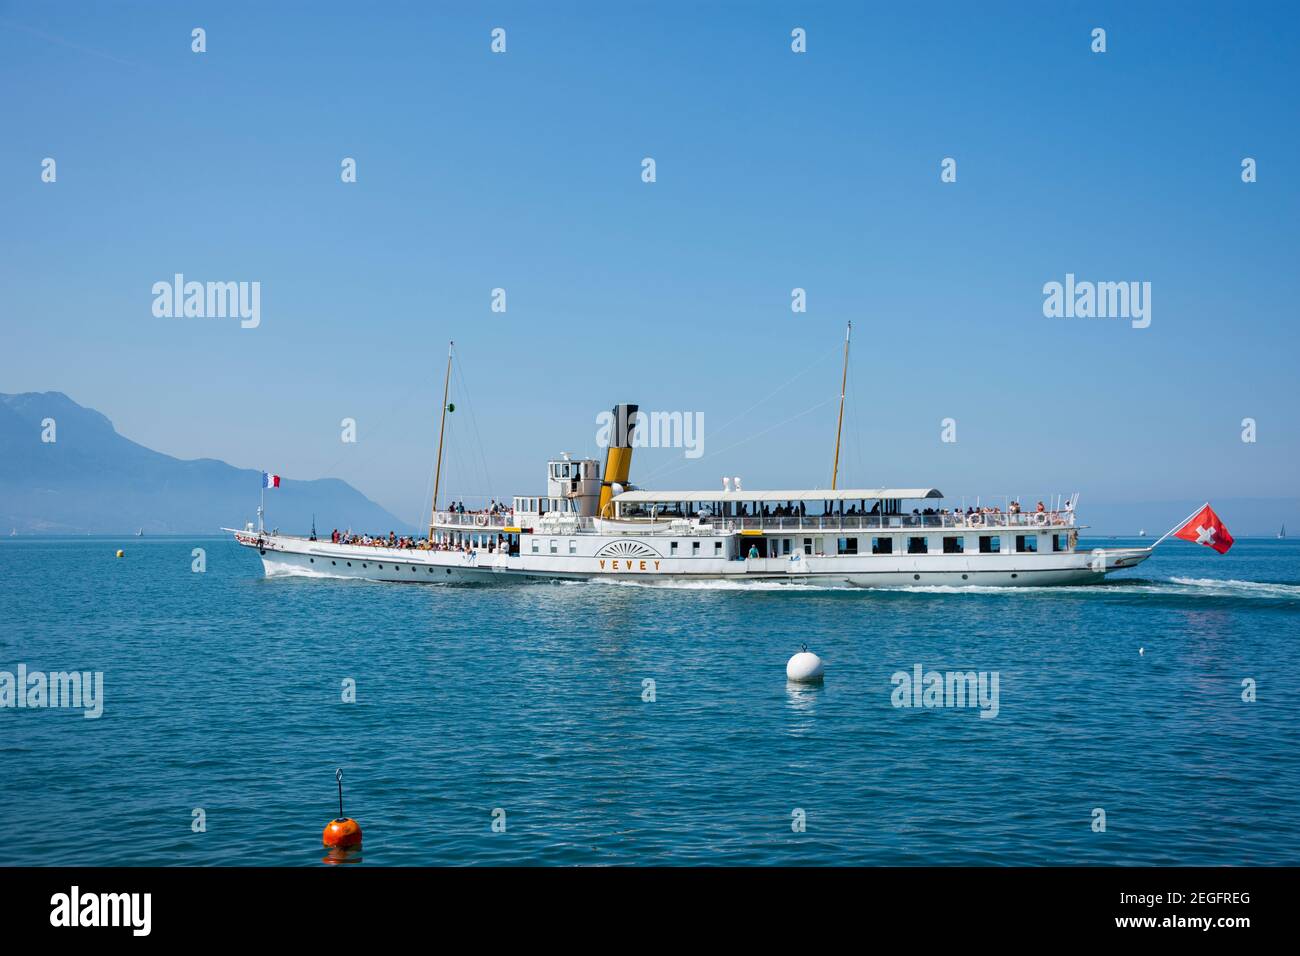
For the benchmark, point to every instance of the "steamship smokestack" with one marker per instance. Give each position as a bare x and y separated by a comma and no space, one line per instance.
618,457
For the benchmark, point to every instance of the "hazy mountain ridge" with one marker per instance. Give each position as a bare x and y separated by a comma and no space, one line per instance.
93,480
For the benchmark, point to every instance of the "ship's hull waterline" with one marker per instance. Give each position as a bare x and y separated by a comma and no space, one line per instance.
283,555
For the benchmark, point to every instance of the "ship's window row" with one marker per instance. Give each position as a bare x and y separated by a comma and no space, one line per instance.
573,469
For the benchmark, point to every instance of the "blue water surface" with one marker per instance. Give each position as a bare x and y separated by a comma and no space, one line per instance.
223,691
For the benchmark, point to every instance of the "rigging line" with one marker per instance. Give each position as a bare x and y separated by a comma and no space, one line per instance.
460,369
378,431
460,463
816,362
758,434
857,433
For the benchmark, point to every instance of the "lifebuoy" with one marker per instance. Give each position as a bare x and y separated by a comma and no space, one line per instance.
441,517
976,521
1040,518
481,520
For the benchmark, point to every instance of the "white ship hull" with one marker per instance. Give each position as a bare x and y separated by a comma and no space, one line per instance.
640,560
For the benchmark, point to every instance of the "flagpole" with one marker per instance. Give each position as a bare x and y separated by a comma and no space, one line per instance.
1179,526
442,427
261,508
839,425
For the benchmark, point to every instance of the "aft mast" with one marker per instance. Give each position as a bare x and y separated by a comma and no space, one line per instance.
442,427
839,426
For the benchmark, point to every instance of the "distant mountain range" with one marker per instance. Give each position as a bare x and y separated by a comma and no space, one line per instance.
92,480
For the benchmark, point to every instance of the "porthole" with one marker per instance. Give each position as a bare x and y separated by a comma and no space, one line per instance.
431,570
965,576
1014,575
262,551
365,565
916,577
334,562
449,570
312,560
349,564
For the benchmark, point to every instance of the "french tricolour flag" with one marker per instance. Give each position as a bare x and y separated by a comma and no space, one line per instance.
270,481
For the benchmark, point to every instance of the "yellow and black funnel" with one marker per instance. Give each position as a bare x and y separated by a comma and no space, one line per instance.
618,456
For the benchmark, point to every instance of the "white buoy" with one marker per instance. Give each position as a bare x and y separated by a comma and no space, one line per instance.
805,667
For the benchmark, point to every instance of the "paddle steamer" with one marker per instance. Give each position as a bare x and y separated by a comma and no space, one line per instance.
591,523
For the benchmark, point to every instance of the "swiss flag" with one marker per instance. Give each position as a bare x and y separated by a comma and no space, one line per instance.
1206,528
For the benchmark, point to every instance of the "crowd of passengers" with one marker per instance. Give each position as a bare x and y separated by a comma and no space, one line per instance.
800,510
494,508
395,540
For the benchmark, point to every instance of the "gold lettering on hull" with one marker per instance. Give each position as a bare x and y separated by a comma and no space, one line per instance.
628,565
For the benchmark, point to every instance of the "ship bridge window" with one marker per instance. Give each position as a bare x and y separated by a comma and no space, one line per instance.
882,545
1058,542
1027,543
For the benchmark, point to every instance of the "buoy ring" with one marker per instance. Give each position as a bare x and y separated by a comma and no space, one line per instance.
441,517
1040,518
481,520
976,520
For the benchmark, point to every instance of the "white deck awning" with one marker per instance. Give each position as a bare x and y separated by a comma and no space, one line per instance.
800,494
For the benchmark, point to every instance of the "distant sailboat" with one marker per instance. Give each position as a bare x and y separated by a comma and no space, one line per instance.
140,533
1142,533
1282,532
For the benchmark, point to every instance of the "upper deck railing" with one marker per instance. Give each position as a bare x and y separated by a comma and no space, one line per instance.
665,523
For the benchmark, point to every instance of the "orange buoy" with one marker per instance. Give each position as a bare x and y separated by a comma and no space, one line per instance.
342,832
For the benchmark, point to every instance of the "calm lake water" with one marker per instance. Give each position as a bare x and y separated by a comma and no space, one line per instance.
223,691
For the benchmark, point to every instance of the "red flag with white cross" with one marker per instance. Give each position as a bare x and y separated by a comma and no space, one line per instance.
1205,528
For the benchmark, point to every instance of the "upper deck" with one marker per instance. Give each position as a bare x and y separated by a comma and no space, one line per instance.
671,523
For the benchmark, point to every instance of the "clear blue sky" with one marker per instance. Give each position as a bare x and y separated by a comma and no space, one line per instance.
775,170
